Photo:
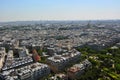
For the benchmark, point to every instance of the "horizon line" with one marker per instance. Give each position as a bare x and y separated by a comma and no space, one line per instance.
60,20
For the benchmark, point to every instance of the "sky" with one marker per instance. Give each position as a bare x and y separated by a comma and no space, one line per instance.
28,10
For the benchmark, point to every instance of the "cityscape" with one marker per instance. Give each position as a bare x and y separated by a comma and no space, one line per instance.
53,50
59,40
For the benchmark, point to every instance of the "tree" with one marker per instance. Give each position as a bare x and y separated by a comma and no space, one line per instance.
40,52
117,67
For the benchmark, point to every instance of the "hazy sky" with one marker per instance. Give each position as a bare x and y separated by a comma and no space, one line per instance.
18,10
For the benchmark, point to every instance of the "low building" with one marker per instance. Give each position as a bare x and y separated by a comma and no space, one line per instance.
2,56
33,71
23,52
59,76
77,70
51,51
16,62
60,62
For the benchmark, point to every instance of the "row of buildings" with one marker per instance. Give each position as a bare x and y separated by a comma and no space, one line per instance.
94,35
73,73
21,67
59,62
24,67
33,71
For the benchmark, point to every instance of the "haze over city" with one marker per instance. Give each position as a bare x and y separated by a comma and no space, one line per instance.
27,10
